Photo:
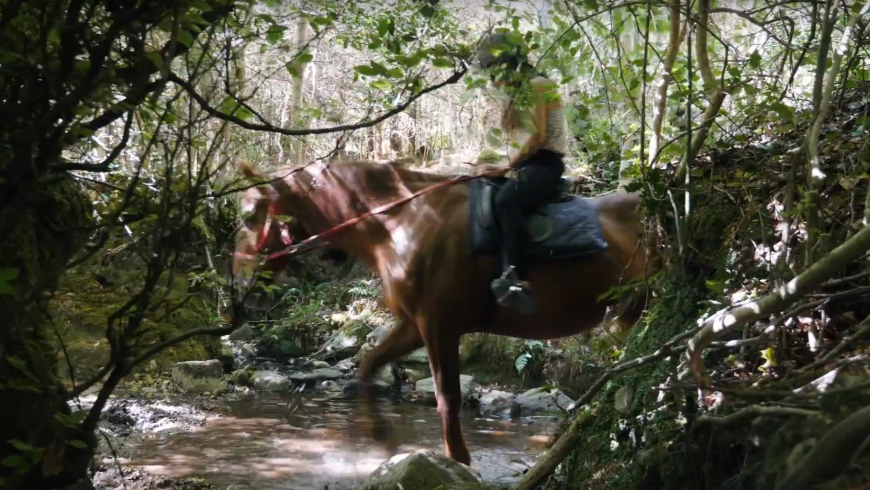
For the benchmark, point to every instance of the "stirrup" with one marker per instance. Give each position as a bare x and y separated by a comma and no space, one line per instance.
508,292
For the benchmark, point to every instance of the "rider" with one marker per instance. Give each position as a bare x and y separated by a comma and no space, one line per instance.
533,117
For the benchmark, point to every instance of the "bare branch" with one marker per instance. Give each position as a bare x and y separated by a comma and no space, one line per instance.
203,103
728,319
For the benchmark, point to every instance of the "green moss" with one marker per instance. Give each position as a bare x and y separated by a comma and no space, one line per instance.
609,457
83,307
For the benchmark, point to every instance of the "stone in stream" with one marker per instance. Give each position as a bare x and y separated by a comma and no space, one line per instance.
338,346
421,470
320,365
416,373
316,375
539,400
200,376
269,381
426,388
496,402
419,356
245,332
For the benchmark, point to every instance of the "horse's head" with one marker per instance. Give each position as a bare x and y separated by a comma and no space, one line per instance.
269,226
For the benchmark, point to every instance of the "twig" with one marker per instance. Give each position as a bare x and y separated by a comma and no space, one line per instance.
560,450
831,454
844,344
727,319
203,103
754,410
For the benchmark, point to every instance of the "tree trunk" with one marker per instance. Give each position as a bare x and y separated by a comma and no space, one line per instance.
298,103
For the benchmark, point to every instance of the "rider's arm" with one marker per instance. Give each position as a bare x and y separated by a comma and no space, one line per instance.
539,128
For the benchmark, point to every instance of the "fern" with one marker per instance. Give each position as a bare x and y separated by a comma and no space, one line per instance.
522,361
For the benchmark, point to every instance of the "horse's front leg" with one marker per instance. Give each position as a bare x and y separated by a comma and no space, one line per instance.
443,350
401,341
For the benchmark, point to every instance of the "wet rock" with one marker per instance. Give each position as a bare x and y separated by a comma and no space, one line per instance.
426,388
270,366
422,470
539,400
419,356
269,381
199,376
386,375
496,402
330,386
345,366
363,352
248,351
227,360
416,373
245,332
353,389
320,365
316,375
376,336
239,377
338,346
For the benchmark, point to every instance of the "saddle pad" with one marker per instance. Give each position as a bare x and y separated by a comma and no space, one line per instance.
574,231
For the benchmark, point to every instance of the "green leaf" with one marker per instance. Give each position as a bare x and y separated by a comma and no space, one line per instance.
468,95
185,38
442,63
381,84
783,110
21,446
755,59
77,444
395,73
6,277
13,461
305,57
293,69
155,58
366,70
427,11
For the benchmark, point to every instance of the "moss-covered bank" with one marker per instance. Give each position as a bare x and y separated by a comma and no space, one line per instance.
635,449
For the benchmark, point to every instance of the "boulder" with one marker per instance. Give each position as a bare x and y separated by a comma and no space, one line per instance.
316,375
270,366
269,381
200,376
426,387
338,346
421,470
539,400
345,366
496,402
376,336
320,365
416,373
419,356
245,332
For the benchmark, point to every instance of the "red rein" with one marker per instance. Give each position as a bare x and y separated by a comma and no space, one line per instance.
309,243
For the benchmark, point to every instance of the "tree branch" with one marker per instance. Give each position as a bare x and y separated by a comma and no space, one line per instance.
661,103
203,103
728,319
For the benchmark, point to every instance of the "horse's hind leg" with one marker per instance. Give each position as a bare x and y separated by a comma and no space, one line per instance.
401,341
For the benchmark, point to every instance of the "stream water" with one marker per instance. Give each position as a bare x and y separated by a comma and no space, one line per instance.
317,442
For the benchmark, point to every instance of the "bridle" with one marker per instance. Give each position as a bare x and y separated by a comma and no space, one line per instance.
315,241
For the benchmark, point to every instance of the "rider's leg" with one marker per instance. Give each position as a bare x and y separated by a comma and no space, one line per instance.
534,186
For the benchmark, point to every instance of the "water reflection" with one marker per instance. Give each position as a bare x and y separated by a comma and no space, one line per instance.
284,441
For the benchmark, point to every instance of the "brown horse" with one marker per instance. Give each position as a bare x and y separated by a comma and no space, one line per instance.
431,281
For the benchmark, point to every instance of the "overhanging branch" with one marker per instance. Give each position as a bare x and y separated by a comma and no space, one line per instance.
270,128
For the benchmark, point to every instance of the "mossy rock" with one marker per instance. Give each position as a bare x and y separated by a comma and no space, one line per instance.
609,455
422,470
